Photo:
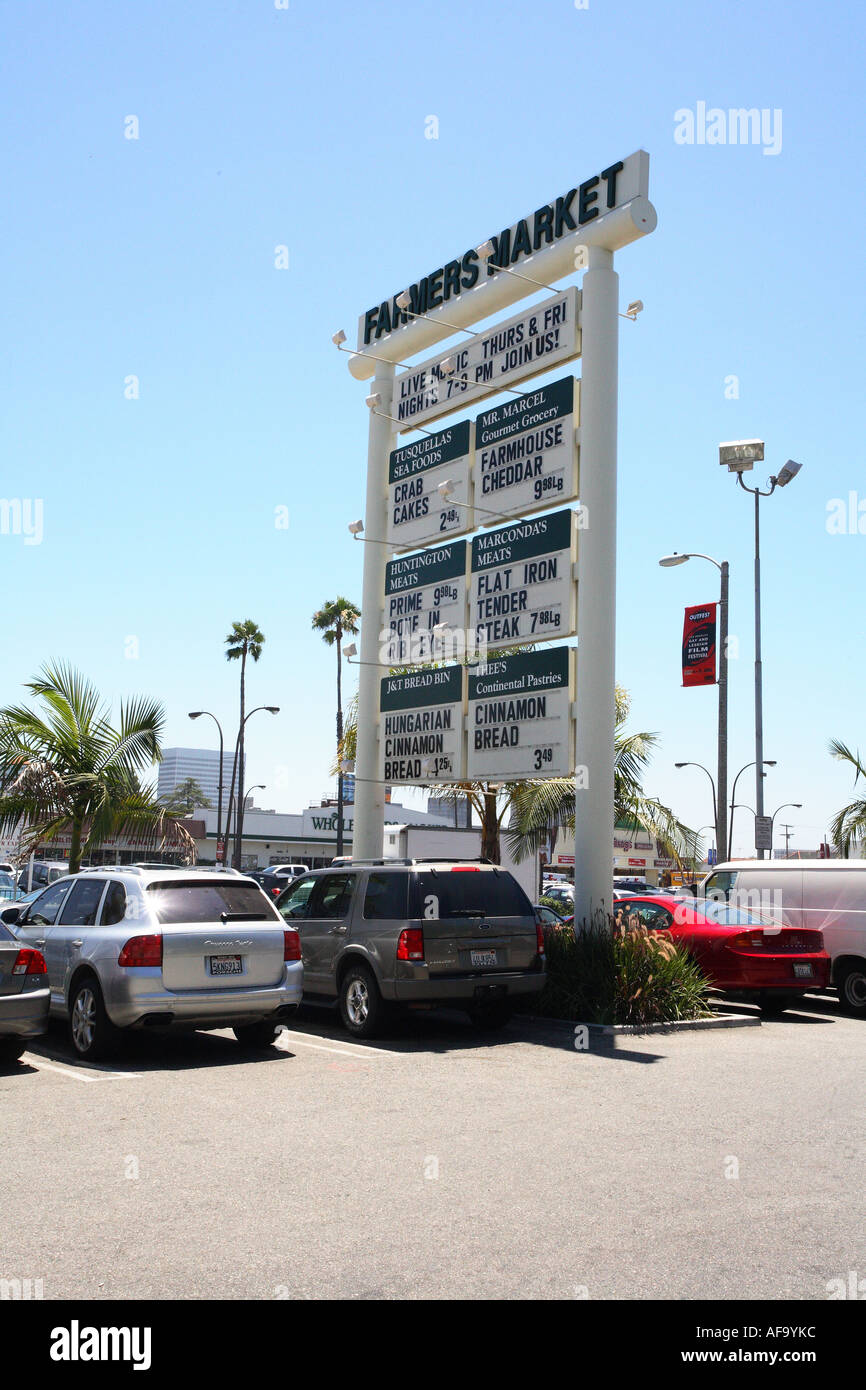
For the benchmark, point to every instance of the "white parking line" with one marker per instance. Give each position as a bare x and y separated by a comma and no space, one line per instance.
106,1074
358,1051
36,1061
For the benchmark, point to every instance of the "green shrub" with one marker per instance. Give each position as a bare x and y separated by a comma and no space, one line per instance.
555,904
634,977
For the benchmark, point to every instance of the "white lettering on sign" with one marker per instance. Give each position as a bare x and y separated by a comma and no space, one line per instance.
534,341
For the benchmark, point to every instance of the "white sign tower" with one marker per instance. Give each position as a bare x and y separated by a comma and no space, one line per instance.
580,230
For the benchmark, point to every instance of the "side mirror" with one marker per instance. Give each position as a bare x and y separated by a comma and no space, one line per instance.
9,915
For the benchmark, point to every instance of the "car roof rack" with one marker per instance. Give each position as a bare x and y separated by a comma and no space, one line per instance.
424,859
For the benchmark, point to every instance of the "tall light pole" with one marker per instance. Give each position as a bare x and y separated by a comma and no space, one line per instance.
720,796
740,456
768,762
196,714
798,806
713,785
239,828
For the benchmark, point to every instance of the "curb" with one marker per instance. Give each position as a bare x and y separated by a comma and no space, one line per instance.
608,1030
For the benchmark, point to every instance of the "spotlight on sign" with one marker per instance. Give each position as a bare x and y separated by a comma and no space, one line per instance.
347,766
440,630
787,473
403,300
356,527
634,309
339,338
446,489
373,401
350,651
485,250
448,367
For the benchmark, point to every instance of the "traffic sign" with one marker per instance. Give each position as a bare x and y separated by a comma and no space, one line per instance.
763,832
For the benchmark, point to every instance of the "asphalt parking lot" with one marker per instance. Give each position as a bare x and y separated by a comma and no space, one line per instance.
724,1164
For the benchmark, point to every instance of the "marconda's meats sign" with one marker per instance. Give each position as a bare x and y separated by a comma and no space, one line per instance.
699,645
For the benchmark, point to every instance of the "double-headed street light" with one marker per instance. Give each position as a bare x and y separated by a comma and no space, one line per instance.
740,456
238,767
768,762
197,714
720,796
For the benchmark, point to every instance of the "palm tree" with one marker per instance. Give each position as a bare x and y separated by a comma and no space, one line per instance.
245,639
333,620
849,827
66,768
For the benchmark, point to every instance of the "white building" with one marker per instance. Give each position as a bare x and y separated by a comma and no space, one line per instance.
201,763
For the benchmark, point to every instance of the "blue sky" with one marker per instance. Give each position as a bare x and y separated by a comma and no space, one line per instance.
305,127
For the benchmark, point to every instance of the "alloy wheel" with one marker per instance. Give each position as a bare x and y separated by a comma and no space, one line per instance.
84,1019
357,1002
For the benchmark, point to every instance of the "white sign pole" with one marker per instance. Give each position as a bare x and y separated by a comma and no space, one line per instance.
596,597
369,828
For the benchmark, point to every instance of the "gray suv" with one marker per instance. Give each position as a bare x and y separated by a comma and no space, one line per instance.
380,933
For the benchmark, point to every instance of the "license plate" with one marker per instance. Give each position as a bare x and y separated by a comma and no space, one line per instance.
482,958
226,965
803,972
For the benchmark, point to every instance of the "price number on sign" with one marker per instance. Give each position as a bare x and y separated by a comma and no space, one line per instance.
444,593
449,519
545,617
542,757
439,765
553,482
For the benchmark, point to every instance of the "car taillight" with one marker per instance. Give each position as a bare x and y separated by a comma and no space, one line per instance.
29,962
292,946
275,892
747,941
539,938
142,950
411,944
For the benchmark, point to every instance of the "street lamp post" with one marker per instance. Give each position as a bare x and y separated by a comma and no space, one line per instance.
713,785
797,805
239,819
720,797
740,456
196,714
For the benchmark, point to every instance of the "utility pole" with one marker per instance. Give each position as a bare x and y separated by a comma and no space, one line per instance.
788,831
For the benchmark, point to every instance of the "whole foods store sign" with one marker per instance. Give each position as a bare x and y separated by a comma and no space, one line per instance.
534,341
520,723
526,451
421,727
522,588
416,511
422,591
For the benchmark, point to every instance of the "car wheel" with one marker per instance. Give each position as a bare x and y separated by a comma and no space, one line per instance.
774,1004
257,1035
852,989
11,1049
362,1008
489,1018
91,1032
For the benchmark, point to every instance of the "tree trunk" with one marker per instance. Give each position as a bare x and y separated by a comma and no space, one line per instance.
490,829
75,843
339,633
239,816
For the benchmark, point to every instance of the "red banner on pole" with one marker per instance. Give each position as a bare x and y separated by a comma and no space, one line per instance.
699,645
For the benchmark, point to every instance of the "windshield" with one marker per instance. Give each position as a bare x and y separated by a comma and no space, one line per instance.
187,901
470,893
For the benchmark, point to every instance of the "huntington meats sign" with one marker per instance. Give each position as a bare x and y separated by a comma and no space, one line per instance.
520,723
416,511
421,727
526,451
534,341
422,591
522,588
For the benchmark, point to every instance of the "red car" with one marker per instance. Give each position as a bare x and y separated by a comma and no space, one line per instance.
739,951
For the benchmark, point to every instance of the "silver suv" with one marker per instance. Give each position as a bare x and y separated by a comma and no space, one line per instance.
377,933
161,948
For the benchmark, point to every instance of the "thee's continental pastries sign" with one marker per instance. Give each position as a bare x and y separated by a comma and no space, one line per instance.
416,511
526,451
544,229
521,583
422,591
520,722
421,727
534,341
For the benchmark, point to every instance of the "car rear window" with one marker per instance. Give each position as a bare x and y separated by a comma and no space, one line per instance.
469,893
187,901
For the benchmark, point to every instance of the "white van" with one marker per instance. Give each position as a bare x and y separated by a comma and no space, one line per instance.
829,894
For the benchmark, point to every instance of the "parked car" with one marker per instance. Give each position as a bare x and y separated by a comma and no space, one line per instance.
45,871
546,917
274,879
415,933
827,894
739,951
7,885
561,893
162,948
24,995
